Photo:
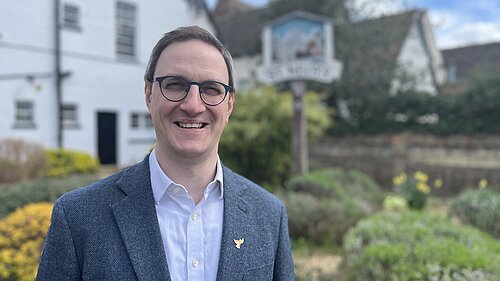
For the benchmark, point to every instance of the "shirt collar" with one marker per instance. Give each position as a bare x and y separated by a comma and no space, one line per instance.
160,182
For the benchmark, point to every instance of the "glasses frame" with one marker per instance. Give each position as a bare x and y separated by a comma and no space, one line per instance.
227,88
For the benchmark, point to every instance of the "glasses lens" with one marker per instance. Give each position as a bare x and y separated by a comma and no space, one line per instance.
174,88
212,92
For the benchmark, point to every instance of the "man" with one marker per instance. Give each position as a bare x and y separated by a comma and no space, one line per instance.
179,214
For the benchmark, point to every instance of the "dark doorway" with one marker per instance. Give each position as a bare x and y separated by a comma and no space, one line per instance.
106,137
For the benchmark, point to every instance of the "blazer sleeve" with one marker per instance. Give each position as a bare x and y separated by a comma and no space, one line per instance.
59,259
283,264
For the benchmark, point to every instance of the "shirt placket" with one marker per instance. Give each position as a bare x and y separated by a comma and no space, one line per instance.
195,252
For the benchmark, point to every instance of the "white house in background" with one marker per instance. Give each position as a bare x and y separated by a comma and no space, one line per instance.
105,46
388,49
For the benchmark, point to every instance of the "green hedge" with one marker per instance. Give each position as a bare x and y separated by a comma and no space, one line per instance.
415,246
13,196
475,110
479,208
322,205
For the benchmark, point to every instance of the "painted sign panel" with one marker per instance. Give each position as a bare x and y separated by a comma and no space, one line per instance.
298,39
298,46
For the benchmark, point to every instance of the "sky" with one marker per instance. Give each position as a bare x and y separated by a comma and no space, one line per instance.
455,23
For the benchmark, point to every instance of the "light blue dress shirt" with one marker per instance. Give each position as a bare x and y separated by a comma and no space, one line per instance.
191,233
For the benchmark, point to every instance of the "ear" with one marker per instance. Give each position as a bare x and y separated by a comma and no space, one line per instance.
148,92
230,106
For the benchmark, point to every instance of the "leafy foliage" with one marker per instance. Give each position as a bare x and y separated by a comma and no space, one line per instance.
479,208
22,234
13,196
63,162
257,140
322,205
476,110
415,246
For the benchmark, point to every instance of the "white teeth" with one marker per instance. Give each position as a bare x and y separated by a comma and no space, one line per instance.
191,125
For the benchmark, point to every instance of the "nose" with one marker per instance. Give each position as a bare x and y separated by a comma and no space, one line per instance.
193,104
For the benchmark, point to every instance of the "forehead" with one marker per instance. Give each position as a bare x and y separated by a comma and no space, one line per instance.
193,59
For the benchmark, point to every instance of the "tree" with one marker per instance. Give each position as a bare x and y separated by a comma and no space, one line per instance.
257,140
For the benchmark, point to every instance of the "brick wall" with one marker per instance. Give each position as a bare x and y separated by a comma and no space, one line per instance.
461,161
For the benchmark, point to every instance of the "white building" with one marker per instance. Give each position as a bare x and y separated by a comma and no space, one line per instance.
104,47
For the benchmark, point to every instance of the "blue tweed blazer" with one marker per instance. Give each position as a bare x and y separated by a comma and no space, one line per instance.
109,231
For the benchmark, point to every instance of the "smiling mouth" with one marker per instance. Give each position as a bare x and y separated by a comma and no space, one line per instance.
190,125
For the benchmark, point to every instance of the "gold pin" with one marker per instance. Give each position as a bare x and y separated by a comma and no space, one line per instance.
239,242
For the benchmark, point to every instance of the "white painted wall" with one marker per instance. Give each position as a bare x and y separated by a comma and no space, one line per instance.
420,59
99,80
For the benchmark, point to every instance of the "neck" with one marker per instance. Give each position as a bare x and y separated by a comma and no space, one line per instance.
192,173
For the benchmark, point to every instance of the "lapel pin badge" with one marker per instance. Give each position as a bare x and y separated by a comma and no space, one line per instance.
238,242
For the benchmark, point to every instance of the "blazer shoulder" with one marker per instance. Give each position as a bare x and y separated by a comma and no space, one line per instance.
107,190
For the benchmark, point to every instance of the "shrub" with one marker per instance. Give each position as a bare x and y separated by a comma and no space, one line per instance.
322,205
22,234
395,203
14,196
20,160
479,208
415,246
63,162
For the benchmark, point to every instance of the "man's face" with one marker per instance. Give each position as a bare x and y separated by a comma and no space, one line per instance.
189,128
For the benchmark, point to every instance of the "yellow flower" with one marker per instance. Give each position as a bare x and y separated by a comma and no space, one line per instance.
421,176
423,187
483,183
438,183
399,180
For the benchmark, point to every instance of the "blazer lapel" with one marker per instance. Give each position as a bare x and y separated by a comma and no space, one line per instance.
136,218
232,261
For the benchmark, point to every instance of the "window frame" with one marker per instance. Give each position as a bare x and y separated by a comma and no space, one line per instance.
125,29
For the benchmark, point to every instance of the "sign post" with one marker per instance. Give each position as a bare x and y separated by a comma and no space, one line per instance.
298,47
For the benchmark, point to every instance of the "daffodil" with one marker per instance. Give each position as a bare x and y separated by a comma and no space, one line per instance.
423,187
400,179
483,183
438,183
421,176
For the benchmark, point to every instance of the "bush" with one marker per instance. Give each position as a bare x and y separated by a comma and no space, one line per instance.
479,208
414,246
257,140
14,196
63,162
20,160
322,205
22,234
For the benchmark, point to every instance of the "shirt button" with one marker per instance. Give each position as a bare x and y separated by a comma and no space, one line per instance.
194,216
195,262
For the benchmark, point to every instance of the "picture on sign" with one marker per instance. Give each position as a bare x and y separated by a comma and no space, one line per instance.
298,39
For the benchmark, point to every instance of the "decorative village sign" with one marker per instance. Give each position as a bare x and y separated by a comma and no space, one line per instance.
298,47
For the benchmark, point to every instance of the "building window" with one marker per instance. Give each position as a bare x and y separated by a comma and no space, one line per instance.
140,121
24,114
69,115
134,120
148,123
71,16
125,29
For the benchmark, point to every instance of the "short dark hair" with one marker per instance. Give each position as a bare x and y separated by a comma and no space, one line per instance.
183,34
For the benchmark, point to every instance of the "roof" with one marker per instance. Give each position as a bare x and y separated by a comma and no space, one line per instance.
473,60
365,47
241,32
370,48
